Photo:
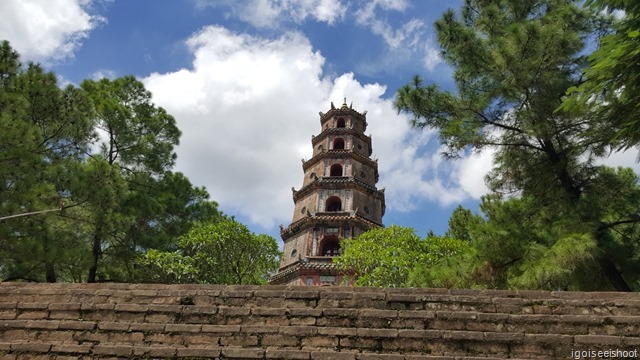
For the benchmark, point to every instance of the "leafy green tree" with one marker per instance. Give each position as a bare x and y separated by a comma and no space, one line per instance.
526,245
612,88
523,244
136,142
159,211
44,133
218,252
85,177
460,223
461,269
386,256
381,256
167,267
514,60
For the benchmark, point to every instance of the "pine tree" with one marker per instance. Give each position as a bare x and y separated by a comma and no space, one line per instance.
514,60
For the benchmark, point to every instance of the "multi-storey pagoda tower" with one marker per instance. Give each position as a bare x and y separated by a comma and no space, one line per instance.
338,200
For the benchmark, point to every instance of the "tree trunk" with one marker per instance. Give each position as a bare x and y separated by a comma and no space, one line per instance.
613,274
50,272
49,269
560,163
96,251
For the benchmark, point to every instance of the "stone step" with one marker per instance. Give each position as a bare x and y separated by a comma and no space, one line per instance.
86,313
432,341
162,321
37,351
32,350
513,302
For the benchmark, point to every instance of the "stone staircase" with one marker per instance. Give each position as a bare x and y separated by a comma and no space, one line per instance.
74,321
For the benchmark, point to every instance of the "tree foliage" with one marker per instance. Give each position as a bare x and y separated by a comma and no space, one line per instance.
44,132
524,246
612,88
93,167
386,256
459,270
219,252
136,141
514,60
460,222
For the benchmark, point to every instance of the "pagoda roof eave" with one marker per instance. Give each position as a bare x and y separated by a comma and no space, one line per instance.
329,180
299,267
341,111
315,139
326,217
332,154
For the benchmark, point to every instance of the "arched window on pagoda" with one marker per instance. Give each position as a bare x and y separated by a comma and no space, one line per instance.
336,170
341,123
330,246
333,204
338,144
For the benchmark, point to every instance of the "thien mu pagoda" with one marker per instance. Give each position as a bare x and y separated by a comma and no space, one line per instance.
338,200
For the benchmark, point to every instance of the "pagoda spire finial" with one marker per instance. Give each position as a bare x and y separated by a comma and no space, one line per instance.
344,103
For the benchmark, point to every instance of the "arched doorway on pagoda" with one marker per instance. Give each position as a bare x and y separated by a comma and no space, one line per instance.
336,170
330,246
333,204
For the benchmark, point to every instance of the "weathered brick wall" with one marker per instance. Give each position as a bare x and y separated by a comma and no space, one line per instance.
272,322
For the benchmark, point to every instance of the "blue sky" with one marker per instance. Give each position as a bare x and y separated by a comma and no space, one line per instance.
245,81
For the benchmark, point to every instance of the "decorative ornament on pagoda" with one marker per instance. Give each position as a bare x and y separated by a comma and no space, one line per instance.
338,200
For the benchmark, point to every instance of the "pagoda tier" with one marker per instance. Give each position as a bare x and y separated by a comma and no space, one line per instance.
338,200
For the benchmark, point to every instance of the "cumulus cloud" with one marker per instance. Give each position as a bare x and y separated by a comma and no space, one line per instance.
248,107
405,43
247,110
272,13
46,30
408,41
368,16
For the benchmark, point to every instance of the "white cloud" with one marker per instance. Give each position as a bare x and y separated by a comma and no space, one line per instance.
395,5
404,43
248,107
406,35
103,73
431,57
46,30
420,174
623,158
617,14
247,110
472,171
272,13
328,11
64,82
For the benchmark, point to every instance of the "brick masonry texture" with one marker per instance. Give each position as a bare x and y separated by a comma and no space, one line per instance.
145,321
